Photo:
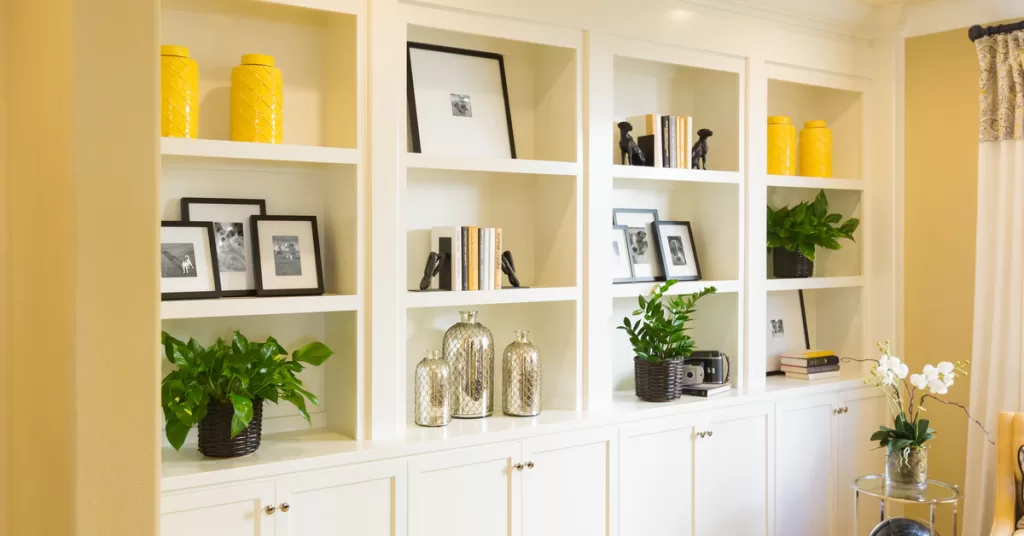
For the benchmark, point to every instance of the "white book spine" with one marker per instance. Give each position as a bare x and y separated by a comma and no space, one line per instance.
689,141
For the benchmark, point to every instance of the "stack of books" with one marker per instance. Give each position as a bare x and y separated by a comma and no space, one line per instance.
811,364
667,138
706,389
470,258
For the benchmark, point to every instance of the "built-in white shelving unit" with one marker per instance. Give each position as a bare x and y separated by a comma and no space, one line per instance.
309,154
258,306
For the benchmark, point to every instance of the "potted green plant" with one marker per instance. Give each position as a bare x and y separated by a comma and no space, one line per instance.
660,342
221,390
794,233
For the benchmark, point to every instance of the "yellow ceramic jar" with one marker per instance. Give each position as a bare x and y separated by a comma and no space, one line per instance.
179,93
816,150
781,146
257,99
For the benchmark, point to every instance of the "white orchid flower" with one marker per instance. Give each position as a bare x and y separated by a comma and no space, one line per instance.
901,369
945,368
937,386
930,372
919,381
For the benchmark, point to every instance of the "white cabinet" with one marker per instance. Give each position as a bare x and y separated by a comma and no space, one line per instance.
695,475
548,485
806,458
365,499
863,411
238,510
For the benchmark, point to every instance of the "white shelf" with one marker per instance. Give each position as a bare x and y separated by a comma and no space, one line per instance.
814,283
817,183
309,154
257,306
648,173
418,300
632,290
494,165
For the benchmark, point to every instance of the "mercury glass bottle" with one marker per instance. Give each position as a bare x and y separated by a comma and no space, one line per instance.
469,351
520,378
433,391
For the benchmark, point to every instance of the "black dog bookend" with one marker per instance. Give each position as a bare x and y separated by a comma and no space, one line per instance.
631,153
700,150
432,268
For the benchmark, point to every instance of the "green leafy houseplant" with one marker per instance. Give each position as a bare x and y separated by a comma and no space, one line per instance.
660,334
238,373
808,225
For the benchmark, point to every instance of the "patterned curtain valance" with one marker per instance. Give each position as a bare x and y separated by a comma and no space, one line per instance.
1002,87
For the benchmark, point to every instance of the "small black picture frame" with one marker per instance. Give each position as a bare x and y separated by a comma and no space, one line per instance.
232,285
211,254
667,256
620,233
633,219
262,272
414,121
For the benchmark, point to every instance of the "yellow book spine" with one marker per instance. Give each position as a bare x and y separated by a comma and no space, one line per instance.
474,258
810,354
497,258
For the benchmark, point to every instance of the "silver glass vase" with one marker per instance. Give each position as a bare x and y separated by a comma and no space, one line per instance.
520,377
907,469
469,351
433,391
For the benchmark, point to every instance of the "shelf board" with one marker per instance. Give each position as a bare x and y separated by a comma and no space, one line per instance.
235,150
494,165
442,298
257,306
647,173
632,290
817,183
813,283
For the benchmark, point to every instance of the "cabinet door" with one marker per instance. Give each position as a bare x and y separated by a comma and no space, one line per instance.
466,492
237,510
858,456
656,477
731,473
568,482
366,499
805,465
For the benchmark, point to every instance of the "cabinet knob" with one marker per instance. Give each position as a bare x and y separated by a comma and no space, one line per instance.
711,433
529,465
846,409
701,434
518,466
270,509
285,507
836,411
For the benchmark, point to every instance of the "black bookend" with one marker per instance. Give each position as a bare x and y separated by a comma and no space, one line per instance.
445,252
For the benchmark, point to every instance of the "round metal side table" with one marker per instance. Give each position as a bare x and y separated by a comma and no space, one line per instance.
935,494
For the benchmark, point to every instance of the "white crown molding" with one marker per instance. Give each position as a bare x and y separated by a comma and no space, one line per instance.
844,18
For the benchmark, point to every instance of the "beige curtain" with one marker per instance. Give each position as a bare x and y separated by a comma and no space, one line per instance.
997,371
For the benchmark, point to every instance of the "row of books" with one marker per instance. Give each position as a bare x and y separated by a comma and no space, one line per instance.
470,258
671,135
811,364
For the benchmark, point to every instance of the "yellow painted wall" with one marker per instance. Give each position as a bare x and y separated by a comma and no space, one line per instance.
940,212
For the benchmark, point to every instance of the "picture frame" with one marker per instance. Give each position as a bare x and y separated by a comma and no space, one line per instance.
458,102
286,256
679,260
233,239
188,261
786,327
644,252
621,264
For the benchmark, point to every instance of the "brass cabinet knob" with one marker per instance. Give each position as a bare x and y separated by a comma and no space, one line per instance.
836,411
518,466
846,409
529,465
711,433
701,434
285,507
270,509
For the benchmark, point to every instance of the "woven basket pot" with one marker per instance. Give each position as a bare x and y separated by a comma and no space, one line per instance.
215,439
787,264
658,382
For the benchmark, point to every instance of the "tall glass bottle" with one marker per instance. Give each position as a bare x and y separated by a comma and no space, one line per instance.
433,391
520,378
469,351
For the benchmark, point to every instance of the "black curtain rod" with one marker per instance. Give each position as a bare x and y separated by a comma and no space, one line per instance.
977,32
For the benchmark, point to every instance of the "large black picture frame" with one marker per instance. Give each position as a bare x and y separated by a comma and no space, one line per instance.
186,203
656,226
414,126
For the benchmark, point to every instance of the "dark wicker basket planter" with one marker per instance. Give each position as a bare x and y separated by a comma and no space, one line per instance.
215,438
658,382
787,264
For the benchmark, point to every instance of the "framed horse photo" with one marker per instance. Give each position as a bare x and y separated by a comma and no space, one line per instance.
286,256
188,261
233,237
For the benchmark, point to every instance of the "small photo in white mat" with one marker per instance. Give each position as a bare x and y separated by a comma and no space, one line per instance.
621,263
188,264
678,253
644,252
287,256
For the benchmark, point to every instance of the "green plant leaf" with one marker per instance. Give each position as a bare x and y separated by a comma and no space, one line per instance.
243,413
176,432
300,403
314,353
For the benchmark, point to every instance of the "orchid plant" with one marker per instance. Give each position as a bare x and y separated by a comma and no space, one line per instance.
906,394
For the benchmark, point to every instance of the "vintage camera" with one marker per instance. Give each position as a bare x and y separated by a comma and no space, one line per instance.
715,364
693,374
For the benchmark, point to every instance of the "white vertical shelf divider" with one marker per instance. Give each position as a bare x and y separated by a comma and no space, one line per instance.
757,229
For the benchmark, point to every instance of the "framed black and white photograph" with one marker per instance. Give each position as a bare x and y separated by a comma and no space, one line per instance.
458,102
188,261
621,265
286,256
644,252
786,327
233,241
678,254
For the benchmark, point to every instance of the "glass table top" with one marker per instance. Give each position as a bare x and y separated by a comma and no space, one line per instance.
935,493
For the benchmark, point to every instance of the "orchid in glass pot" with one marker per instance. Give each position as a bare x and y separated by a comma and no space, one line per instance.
906,464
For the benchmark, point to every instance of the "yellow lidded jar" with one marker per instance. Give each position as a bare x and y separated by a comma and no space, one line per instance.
257,100
781,146
816,150
179,93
